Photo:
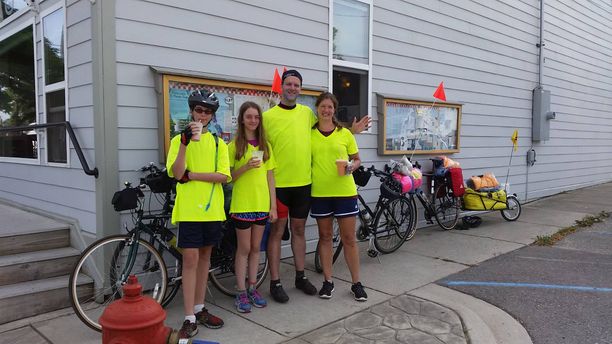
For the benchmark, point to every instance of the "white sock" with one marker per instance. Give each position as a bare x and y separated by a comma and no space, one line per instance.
191,318
198,308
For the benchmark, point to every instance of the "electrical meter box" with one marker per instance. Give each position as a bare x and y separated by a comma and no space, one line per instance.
541,115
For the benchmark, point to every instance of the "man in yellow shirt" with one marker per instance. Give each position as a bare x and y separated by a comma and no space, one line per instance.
288,129
200,163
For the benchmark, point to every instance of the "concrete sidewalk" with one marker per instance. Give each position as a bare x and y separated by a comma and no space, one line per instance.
404,305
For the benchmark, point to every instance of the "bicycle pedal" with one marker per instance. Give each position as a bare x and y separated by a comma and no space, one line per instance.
372,253
429,221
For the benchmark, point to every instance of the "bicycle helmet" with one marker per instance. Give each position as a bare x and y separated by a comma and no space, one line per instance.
204,98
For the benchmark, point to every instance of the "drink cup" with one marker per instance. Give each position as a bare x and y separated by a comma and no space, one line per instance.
196,130
341,164
258,155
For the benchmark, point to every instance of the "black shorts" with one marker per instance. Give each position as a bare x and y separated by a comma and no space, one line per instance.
247,224
293,202
199,234
334,206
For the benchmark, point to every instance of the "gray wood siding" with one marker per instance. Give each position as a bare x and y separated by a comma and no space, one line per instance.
64,190
239,39
486,54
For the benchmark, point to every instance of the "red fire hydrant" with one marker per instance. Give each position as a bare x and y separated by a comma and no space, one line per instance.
134,319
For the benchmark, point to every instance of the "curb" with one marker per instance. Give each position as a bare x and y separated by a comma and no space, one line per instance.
483,322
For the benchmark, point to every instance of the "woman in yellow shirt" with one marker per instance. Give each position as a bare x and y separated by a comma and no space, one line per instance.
334,193
253,200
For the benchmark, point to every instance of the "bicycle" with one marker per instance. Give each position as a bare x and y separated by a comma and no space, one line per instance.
104,266
386,227
441,204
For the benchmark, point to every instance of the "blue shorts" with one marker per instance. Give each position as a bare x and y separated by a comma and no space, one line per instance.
333,206
199,234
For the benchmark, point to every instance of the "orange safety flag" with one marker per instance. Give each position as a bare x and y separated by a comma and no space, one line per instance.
514,139
276,82
439,93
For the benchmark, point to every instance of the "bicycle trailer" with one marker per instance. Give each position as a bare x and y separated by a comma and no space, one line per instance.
494,200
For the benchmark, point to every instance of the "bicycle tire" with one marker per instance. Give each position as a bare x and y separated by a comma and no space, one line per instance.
508,214
413,218
392,225
174,281
336,247
446,207
90,296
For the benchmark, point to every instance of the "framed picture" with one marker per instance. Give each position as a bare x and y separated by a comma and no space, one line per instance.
176,91
419,127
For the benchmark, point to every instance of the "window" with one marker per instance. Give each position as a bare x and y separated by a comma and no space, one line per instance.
55,95
10,7
350,57
18,94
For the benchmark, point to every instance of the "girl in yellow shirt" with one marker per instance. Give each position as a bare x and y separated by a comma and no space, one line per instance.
334,193
253,200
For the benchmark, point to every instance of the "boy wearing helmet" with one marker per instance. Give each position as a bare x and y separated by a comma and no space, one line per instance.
201,165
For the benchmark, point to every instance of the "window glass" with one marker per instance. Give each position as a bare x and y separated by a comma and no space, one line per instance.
56,137
351,31
53,28
10,7
351,89
17,94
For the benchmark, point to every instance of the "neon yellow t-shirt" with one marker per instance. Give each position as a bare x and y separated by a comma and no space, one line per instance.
288,132
250,192
193,197
325,150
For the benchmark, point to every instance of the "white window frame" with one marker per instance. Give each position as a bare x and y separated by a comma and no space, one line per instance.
54,87
349,64
6,35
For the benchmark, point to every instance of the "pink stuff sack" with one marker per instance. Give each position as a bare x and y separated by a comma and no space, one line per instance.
406,181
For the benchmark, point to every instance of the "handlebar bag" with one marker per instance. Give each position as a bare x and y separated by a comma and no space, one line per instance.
126,199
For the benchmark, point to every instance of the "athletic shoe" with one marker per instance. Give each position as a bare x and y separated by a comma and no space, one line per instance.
256,299
358,292
278,293
326,290
208,320
242,303
188,330
304,285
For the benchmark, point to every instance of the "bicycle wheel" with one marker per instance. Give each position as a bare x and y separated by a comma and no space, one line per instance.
336,247
446,207
413,218
222,273
103,268
392,225
175,271
514,209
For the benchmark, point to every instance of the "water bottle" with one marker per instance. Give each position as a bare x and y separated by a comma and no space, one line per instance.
365,215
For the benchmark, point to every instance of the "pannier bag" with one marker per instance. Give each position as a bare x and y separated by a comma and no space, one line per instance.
455,176
474,200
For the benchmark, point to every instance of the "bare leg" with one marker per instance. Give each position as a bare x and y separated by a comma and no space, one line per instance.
190,265
202,274
255,244
274,247
351,251
242,254
298,242
325,245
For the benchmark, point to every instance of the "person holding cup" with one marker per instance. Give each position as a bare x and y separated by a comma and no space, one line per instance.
334,194
200,163
253,200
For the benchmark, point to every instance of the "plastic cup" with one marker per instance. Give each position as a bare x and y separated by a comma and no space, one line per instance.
196,129
341,164
258,155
